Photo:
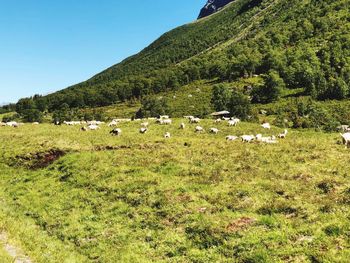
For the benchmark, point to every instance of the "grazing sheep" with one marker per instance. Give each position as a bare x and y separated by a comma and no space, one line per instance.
231,138
167,135
12,124
233,122
2,124
266,125
35,123
113,123
271,139
116,132
143,130
218,120
162,117
199,129
182,126
346,139
93,127
195,120
166,122
225,119
188,117
214,130
248,138
283,135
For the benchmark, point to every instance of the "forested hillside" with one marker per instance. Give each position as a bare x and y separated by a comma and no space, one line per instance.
290,44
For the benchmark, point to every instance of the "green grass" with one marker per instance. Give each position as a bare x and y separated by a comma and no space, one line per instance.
192,198
4,256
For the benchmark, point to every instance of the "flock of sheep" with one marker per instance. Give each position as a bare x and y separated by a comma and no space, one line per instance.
165,120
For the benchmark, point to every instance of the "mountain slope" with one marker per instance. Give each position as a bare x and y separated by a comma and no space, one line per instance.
306,42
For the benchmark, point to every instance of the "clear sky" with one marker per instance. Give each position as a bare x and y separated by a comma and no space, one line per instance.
49,45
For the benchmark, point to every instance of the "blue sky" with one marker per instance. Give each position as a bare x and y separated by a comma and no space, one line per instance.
48,45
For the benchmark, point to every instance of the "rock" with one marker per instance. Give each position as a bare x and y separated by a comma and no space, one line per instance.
213,6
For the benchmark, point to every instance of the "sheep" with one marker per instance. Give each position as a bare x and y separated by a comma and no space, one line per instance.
93,127
283,135
195,120
143,130
225,119
346,139
266,125
218,120
162,117
2,124
113,123
116,132
199,129
182,126
231,138
271,139
84,129
35,123
12,124
214,130
233,122
188,117
167,135
248,138
166,122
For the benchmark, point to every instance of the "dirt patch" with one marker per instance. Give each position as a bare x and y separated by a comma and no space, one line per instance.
110,148
240,224
16,253
38,160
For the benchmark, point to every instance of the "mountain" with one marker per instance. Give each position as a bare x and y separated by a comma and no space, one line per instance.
302,44
212,6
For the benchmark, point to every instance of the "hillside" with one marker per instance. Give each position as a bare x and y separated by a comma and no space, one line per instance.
299,44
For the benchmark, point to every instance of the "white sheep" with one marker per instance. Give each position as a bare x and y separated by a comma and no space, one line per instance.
218,120
283,135
195,120
93,127
214,130
233,122
346,138
248,138
199,129
113,123
167,135
231,138
271,139
182,126
166,122
266,125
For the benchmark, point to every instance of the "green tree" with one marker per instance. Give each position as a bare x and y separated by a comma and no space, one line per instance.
239,105
221,97
271,90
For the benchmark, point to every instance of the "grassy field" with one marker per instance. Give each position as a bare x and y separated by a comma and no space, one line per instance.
191,198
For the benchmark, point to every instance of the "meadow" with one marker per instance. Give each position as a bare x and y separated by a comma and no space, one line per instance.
72,196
